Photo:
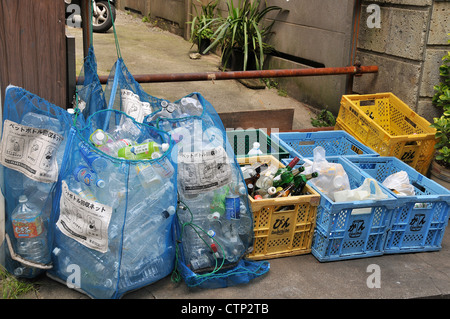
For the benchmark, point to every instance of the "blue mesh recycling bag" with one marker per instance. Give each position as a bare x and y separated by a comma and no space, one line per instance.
34,135
123,93
215,223
90,96
117,201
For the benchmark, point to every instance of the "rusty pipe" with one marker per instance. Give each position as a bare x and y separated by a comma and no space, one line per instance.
231,75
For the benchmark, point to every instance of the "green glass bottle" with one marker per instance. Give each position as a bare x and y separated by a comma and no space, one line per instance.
300,181
287,176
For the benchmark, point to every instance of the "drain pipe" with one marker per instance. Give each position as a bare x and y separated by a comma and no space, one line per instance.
233,75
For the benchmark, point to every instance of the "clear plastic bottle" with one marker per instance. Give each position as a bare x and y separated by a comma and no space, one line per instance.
255,150
191,106
86,175
41,121
100,138
96,162
148,177
142,151
112,149
30,233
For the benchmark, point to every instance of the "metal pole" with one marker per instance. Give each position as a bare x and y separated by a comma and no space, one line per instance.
232,75
86,7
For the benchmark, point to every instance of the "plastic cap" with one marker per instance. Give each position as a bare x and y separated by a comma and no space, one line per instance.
100,135
165,147
211,233
23,198
256,145
215,215
71,111
156,155
165,214
271,190
164,103
56,251
171,210
101,183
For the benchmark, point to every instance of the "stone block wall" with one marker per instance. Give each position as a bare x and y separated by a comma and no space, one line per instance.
408,48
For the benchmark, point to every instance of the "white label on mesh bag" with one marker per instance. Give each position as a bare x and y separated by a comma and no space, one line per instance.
84,220
203,171
31,151
132,106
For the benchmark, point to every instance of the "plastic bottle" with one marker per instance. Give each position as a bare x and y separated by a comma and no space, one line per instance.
142,151
255,150
113,148
30,234
41,121
148,177
85,175
100,138
191,106
266,177
96,162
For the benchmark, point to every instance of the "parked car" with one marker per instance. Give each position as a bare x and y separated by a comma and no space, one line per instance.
103,14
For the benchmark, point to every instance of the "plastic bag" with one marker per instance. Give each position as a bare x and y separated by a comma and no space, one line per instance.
332,176
369,190
90,96
399,184
215,223
115,216
32,149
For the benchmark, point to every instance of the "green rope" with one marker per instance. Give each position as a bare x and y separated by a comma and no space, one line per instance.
175,274
119,55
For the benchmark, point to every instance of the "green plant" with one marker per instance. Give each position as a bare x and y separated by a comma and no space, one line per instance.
442,96
202,25
243,29
324,119
11,287
441,99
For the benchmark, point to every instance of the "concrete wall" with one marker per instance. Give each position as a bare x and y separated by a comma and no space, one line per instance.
320,33
172,13
408,48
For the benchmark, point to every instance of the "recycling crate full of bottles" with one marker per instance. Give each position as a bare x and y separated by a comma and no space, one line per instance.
283,205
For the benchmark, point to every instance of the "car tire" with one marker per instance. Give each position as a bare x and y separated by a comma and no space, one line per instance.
104,22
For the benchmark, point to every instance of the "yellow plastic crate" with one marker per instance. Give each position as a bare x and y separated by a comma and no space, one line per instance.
282,226
387,125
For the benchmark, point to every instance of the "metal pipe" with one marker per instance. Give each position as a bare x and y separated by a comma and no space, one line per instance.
231,75
86,7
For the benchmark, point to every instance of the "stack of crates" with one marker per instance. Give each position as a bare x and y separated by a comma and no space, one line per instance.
398,224
387,125
282,226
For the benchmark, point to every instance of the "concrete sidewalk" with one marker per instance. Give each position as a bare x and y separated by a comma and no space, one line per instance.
150,50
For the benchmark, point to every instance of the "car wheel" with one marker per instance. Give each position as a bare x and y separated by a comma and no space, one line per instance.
102,19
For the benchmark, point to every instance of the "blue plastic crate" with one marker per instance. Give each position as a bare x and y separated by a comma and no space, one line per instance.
342,231
335,143
420,221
